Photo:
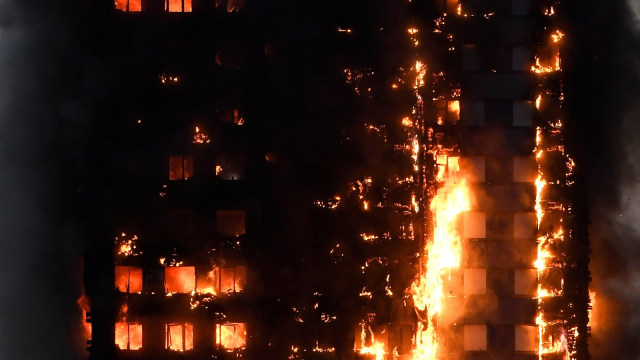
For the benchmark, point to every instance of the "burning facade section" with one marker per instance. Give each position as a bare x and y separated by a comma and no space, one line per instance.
176,278
453,238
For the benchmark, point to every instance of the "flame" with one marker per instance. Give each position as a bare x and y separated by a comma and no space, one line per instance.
376,348
538,101
200,137
441,253
557,36
232,336
406,121
421,71
85,306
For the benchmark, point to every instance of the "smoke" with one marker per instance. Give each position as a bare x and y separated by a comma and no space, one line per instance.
605,101
39,241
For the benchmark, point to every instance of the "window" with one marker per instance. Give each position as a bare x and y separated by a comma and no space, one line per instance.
128,336
520,59
447,111
230,222
524,225
179,279
128,279
448,166
234,5
180,167
473,113
475,337
178,5
231,336
230,167
128,5
523,113
232,279
178,337
475,281
526,281
207,281
475,225
524,169
474,168
526,338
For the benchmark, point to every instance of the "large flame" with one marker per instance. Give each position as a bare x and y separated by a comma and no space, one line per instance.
441,253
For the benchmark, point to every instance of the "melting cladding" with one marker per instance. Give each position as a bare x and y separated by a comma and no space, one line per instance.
466,234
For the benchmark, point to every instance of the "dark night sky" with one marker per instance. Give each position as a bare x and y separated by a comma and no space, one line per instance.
48,101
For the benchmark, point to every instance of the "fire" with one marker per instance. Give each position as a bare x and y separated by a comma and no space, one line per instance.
557,36
421,71
231,336
376,347
85,306
207,284
200,137
406,121
540,184
441,253
178,337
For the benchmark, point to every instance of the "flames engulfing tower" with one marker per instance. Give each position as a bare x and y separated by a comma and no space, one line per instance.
448,234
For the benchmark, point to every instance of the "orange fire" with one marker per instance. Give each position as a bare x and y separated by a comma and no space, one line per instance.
231,336
179,279
178,337
375,347
441,253
85,306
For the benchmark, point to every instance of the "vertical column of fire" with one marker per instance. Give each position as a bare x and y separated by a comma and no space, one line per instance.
445,190
557,311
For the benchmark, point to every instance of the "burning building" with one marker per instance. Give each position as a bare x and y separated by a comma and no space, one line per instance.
431,219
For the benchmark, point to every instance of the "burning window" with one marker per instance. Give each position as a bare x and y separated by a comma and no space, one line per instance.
526,338
475,337
207,281
128,336
475,225
447,111
475,281
231,336
128,279
128,5
178,337
448,166
180,167
230,222
178,5
179,279
232,279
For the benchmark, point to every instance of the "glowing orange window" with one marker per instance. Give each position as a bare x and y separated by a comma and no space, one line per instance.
207,281
179,279
128,336
177,5
178,337
128,5
180,167
232,279
231,336
128,279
